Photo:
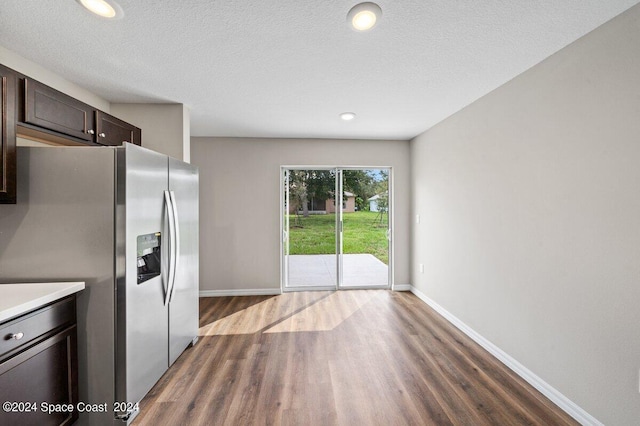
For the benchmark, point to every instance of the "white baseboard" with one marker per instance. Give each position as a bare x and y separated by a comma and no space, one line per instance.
241,292
274,291
545,388
402,287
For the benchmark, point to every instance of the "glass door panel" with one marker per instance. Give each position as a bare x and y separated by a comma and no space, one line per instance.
364,225
309,229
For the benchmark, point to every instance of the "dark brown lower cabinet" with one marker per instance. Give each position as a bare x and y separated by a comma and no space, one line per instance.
39,384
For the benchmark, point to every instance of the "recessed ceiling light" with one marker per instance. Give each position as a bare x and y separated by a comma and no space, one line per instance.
348,116
104,8
364,16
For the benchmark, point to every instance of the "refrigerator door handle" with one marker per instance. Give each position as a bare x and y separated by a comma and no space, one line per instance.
171,244
176,240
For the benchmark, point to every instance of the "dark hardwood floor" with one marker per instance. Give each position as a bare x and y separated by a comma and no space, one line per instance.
361,357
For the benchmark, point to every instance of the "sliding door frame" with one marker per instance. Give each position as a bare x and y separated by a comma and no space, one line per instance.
284,223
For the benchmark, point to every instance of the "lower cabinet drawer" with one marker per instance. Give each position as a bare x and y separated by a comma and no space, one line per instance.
20,332
39,385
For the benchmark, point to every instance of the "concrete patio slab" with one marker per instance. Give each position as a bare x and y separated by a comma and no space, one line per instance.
359,270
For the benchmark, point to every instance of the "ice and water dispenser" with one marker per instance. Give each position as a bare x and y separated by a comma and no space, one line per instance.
148,256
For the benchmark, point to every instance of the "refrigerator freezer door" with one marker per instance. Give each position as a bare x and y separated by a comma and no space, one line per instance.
183,309
142,317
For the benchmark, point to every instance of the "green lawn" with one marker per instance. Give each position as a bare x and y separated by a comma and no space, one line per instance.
362,234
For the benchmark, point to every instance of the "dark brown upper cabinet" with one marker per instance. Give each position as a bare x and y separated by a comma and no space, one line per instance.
8,81
113,131
36,111
52,110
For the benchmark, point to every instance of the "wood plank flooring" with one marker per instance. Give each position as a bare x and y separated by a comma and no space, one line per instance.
361,357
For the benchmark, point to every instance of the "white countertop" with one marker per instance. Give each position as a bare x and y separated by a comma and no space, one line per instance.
17,299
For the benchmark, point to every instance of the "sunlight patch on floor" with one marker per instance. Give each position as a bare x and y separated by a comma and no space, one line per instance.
302,311
322,316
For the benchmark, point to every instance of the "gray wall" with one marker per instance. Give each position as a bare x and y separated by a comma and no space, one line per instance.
34,247
165,127
530,208
240,202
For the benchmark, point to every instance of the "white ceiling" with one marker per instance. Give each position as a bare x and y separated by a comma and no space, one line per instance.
287,68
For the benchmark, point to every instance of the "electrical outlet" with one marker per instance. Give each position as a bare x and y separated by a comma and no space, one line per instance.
422,268
417,218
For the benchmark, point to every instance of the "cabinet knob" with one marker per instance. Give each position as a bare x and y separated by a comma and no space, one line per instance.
102,135
91,132
16,336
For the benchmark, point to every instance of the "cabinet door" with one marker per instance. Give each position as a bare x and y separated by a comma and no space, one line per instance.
44,373
113,131
52,110
7,136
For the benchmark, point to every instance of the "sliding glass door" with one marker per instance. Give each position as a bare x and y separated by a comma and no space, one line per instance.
335,228
364,228
309,229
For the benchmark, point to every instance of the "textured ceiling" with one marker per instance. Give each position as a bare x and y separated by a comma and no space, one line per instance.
287,68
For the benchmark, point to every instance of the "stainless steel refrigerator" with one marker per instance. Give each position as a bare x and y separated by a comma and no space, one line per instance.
125,221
